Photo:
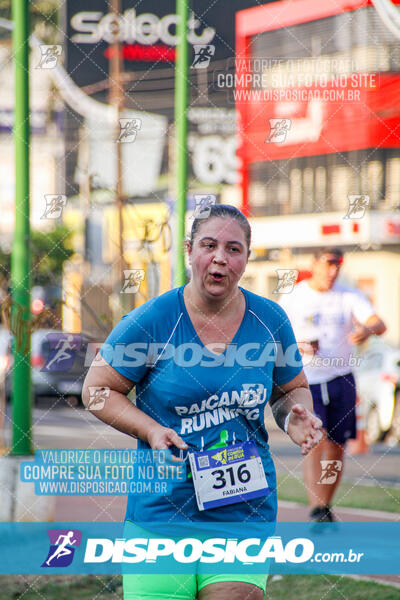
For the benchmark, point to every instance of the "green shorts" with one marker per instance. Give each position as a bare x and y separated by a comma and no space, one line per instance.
177,586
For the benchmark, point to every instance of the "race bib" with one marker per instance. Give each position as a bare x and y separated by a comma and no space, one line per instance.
228,475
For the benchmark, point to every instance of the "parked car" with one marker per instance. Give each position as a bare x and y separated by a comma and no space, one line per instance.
378,387
58,364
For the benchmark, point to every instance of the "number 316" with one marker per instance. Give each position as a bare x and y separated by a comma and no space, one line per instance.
242,474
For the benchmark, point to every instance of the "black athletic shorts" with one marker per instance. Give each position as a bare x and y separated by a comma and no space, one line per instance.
335,405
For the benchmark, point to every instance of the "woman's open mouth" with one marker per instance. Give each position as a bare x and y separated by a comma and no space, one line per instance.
217,276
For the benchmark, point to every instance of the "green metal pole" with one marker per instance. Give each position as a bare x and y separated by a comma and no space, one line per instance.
181,102
20,260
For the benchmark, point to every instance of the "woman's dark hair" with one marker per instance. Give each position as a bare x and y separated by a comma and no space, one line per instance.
225,211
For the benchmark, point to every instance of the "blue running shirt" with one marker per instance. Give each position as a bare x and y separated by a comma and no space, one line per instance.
205,397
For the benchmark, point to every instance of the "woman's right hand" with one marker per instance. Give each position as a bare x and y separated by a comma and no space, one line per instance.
161,438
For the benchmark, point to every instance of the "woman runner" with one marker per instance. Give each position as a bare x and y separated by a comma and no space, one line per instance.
215,354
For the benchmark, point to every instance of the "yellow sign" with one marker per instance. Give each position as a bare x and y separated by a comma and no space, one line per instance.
144,225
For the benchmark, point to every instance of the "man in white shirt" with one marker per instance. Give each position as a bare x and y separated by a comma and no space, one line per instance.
329,319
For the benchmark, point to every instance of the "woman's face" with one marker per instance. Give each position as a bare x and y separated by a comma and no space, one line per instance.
218,257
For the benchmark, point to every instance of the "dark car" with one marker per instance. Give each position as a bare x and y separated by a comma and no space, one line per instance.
58,364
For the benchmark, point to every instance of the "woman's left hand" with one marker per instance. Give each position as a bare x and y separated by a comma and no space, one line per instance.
304,428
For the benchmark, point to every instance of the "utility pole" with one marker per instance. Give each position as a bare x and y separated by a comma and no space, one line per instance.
116,99
20,260
181,102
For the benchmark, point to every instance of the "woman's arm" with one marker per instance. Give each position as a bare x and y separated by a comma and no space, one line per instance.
119,412
295,398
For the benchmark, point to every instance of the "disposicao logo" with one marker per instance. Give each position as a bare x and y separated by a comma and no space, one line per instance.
189,550
62,547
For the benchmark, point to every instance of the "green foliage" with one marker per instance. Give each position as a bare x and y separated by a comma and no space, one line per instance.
49,252
40,11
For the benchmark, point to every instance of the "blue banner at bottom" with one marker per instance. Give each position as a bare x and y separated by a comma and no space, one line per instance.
112,548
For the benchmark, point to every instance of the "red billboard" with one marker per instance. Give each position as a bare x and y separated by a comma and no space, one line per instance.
308,82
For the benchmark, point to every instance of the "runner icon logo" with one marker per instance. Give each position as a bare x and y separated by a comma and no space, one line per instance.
330,471
203,55
220,456
49,56
129,129
54,206
133,278
278,130
358,203
203,205
62,547
97,397
287,279
62,351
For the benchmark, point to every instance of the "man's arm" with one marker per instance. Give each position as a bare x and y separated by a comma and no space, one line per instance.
372,326
295,398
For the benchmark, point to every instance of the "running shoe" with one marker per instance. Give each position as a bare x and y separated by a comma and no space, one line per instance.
321,514
329,515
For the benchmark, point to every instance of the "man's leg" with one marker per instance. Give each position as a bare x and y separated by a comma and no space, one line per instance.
312,461
321,494
338,417
341,426
311,473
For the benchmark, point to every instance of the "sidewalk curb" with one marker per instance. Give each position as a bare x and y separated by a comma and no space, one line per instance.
367,512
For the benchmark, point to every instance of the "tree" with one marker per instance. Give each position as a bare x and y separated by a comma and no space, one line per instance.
50,250
40,11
